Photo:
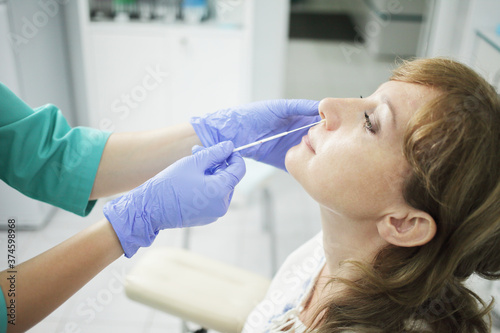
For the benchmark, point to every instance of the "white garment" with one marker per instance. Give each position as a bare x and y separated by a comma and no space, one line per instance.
289,291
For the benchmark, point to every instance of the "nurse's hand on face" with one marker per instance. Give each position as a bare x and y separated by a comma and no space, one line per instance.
185,194
248,123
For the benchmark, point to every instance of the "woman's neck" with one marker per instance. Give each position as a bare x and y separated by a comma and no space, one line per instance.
345,239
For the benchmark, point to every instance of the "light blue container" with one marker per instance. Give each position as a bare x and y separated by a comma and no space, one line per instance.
194,11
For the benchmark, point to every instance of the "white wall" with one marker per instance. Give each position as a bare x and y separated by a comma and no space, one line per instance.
8,65
38,42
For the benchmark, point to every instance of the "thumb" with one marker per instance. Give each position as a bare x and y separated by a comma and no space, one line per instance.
214,155
196,149
234,172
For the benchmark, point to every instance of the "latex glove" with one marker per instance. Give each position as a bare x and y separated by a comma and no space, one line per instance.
182,195
248,123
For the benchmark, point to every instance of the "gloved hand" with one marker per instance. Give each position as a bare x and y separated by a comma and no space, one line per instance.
182,195
248,123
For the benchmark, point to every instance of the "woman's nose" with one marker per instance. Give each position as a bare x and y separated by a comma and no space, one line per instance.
329,110
338,111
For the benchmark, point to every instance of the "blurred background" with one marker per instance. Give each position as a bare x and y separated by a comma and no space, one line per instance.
128,65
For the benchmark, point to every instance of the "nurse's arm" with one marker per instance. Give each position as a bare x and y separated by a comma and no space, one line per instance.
45,282
129,159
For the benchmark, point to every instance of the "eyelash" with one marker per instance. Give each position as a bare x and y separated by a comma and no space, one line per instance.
368,123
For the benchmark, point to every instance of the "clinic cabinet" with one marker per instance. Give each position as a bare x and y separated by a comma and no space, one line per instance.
140,75
486,54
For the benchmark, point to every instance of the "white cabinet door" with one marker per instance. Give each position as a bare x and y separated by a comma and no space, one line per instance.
208,73
143,79
130,79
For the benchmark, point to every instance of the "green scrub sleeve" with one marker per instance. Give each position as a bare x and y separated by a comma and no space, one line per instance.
44,158
3,313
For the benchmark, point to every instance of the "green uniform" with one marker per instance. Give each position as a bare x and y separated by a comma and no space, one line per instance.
44,158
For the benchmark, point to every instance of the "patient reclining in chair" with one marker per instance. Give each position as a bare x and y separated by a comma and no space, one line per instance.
407,181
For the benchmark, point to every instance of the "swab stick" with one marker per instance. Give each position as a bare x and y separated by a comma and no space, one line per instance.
274,137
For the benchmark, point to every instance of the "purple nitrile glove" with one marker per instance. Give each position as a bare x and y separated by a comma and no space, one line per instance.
182,195
255,121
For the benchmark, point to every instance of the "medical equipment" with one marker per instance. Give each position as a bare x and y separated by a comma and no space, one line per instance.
275,136
194,11
124,9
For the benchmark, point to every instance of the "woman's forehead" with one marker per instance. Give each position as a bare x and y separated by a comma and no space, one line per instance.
405,94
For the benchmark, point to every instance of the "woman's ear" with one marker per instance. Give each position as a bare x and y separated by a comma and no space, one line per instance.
415,229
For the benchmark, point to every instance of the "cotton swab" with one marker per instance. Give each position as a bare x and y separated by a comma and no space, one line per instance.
275,137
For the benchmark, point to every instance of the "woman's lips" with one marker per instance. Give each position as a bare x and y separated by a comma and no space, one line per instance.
308,143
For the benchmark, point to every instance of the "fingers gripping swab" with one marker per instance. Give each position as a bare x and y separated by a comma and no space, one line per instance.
275,137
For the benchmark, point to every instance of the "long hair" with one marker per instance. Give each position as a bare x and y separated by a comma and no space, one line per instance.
452,145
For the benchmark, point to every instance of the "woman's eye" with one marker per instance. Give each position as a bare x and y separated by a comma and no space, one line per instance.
368,124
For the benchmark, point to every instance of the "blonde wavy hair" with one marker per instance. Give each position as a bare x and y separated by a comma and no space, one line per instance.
452,144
